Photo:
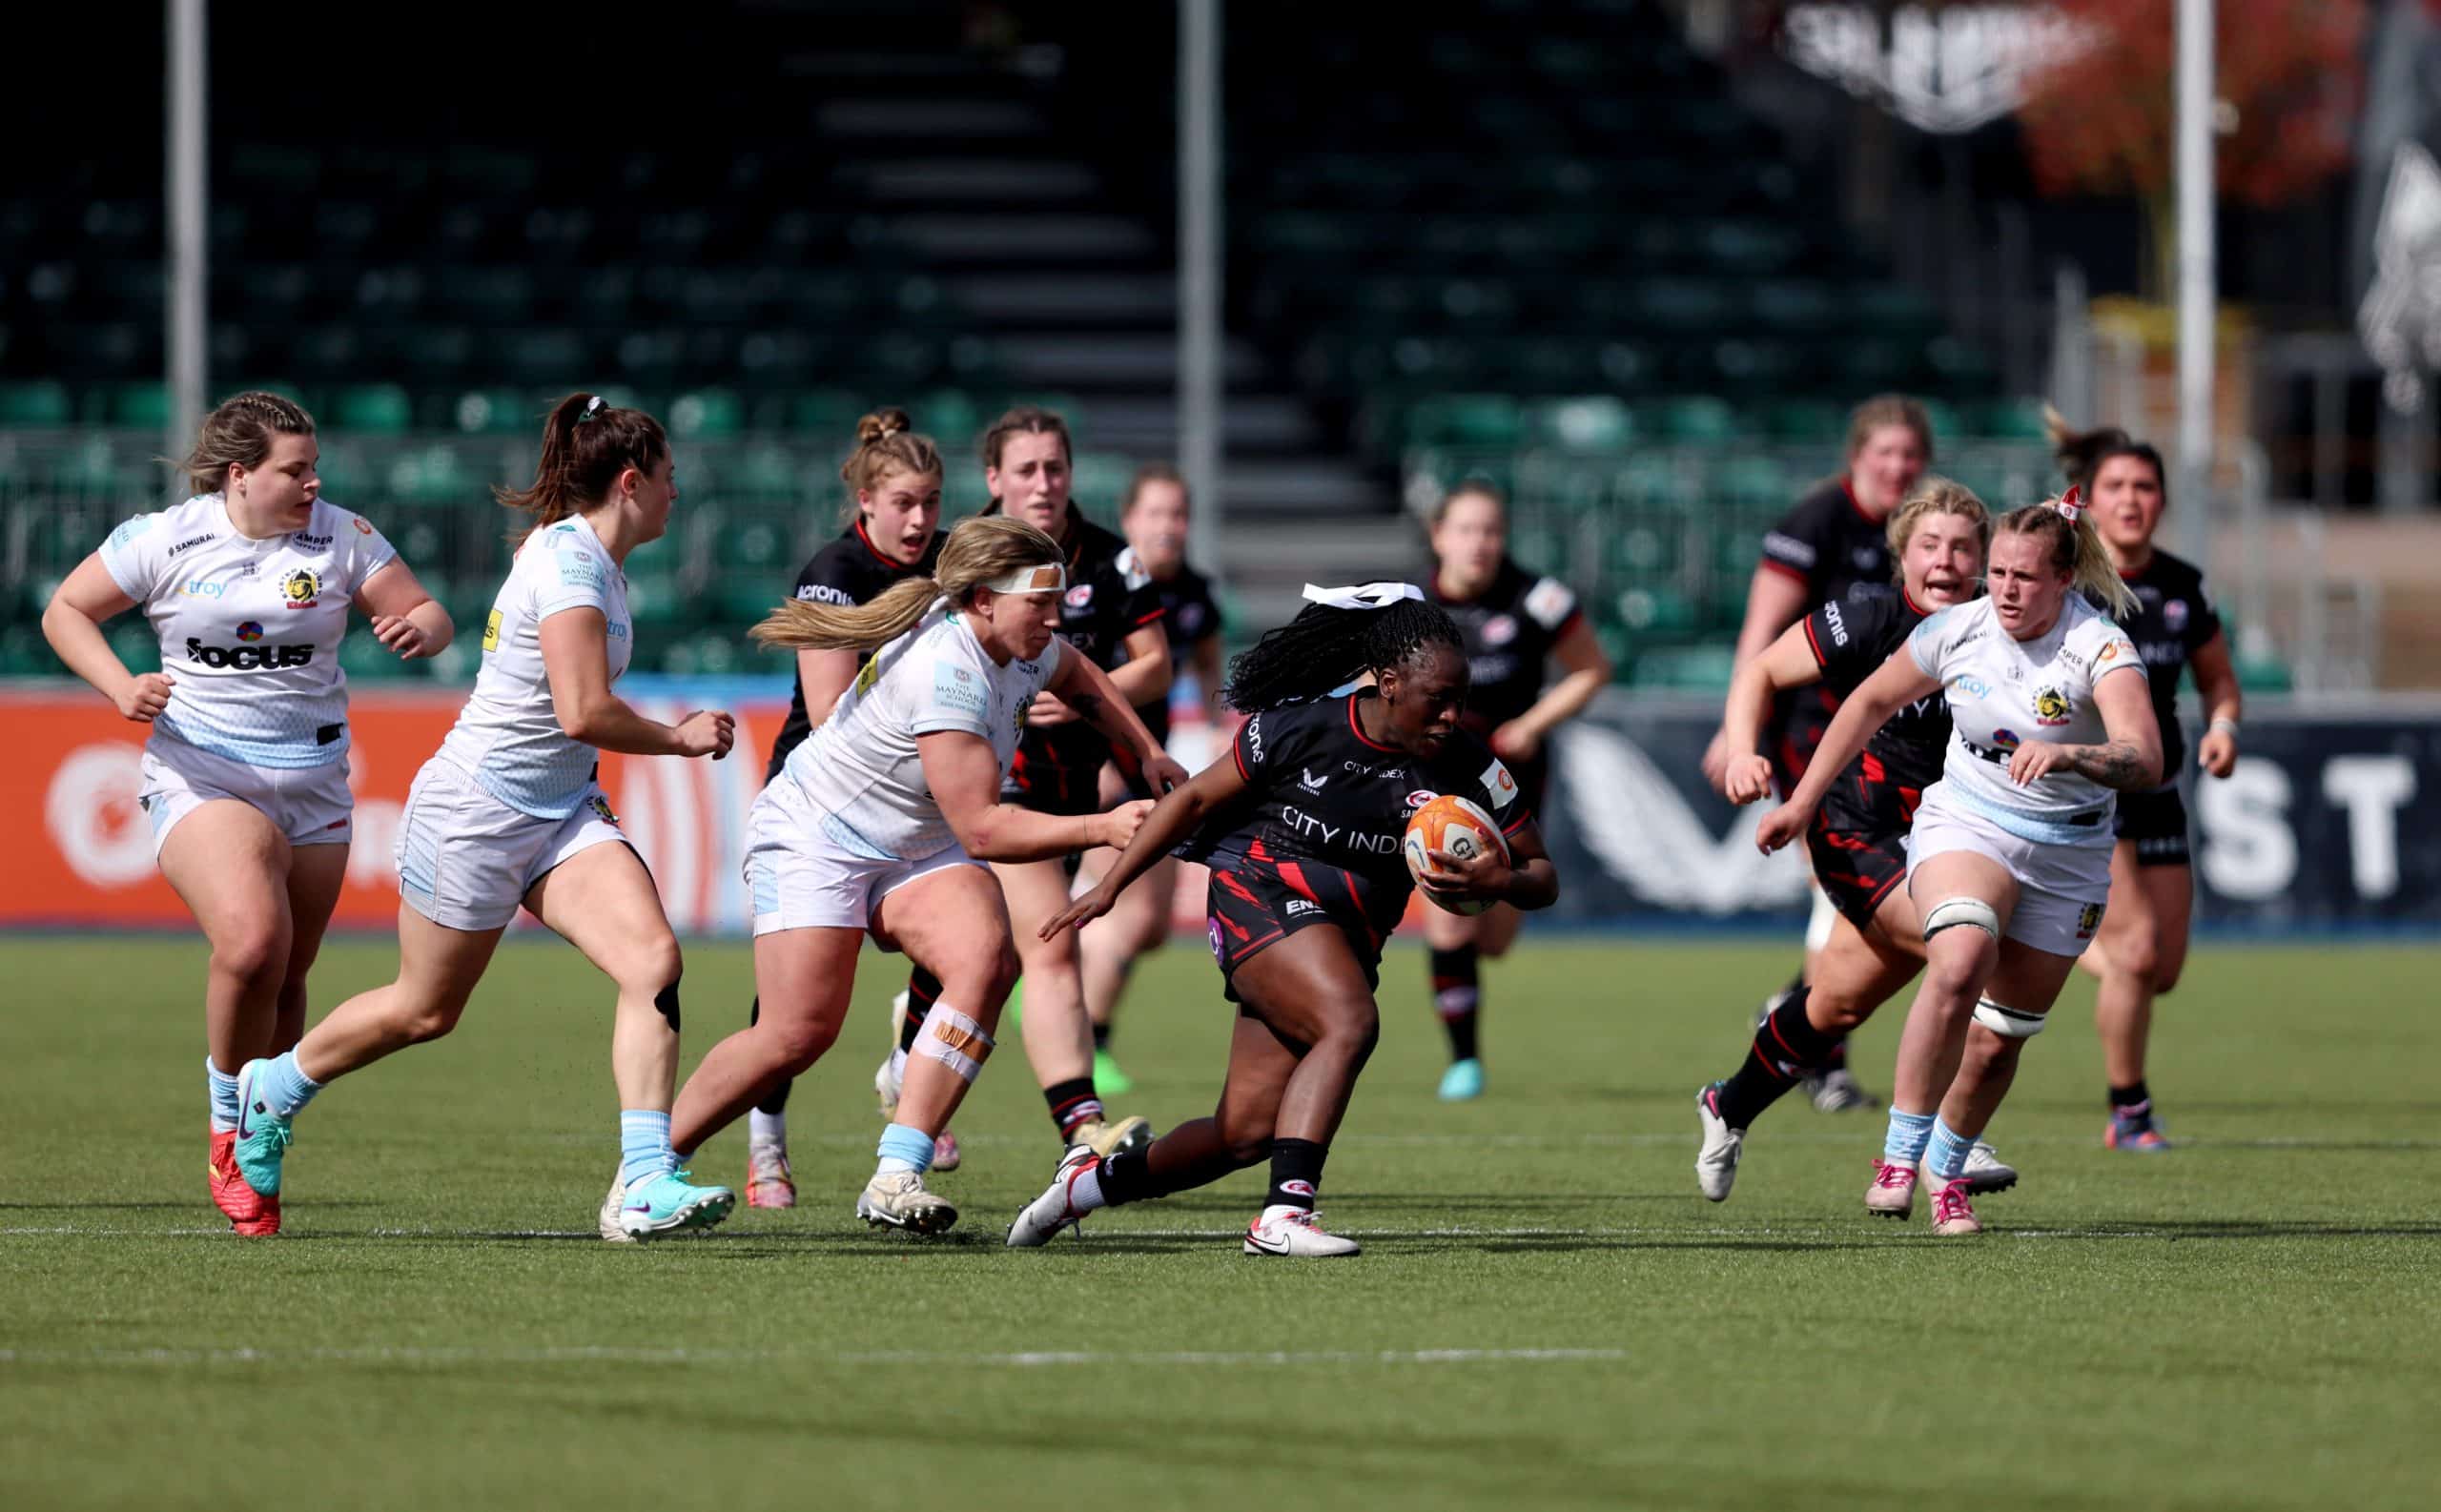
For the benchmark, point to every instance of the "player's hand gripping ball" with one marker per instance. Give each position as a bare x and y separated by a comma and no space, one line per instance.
1460,827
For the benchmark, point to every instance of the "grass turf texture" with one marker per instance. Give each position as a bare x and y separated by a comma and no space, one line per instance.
1546,1314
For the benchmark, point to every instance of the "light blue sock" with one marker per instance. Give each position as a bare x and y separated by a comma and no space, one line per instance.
1947,1156
282,1089
904,1148
223,1086
1909,1133
643,1144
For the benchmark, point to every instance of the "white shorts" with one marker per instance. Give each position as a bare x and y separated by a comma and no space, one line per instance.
2061,889
311,805
467,860
802,879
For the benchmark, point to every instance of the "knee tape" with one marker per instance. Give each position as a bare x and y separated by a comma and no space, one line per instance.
955,1040
1951,912
2007,1022
666,1000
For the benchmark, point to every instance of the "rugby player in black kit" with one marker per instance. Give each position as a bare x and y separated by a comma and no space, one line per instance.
1859,840
1111,614
1512,624
893,482
2141,946
1831,544
1301,824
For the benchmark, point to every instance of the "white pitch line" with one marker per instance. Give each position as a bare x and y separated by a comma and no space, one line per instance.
1875,1233
585,1355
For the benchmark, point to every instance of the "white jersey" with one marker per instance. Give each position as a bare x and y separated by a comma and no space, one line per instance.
509,736
250,629
2002,691
860,768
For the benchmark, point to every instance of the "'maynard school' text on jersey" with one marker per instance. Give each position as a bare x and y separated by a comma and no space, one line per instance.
509,736
250,631
1851,637
1509,631
2003,692
861,767
1321,792
2174,618
846,572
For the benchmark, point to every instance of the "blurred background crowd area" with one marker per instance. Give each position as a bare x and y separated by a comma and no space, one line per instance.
1631,260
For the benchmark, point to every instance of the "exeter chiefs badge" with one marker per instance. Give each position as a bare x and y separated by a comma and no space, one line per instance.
301,589
601,806
2051,707
2088,920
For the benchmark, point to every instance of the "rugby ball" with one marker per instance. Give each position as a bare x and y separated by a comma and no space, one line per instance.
1458,826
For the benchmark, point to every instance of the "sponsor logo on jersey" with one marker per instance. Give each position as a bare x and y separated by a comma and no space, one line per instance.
248,658
1421,797
2051,707
2174,615
1839,627
491,631
1253,738
301,588
361,527
1868,559
1550,601
1302,906
600,807
2109,652
1971,686
194,540
823,592
1309,782
2088,920
1308,827
1190,617
1500,629
1497,782
1389,775
312,542
953,687
250,630
2005,739
201,588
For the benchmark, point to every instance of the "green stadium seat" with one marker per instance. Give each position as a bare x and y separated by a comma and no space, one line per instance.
1753,483
1466,419
136,645
953,419
1593,424
140,406
1813,421
41,403
2264,674
431,475
707,415
374,409
1695,417
494,412
2011,420
819,414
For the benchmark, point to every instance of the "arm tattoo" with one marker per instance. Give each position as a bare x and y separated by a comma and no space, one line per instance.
2114,764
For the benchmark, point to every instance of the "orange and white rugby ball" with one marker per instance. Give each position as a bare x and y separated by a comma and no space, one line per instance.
1458,826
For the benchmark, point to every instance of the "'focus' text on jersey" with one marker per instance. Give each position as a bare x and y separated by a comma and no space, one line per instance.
1509,631
2003,692
2174,618
250,629
509,736
846,572
1321,792
861,767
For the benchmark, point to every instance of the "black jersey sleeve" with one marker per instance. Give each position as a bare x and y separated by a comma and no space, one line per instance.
1802,545
828,578
2203,618
1275,740
1852,637
1141,603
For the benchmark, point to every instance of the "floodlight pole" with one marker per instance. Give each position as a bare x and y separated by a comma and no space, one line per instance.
188,244
1199,334
2196,274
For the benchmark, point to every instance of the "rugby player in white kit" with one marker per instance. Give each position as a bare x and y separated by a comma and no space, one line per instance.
507,814
2009,860
248,585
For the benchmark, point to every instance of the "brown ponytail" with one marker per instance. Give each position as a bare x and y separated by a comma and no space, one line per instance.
2080,454
587,441
884,444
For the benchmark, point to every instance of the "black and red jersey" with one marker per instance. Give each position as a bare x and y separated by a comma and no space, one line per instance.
1323,795
1190,616
1851,637
2174,620
1509,631
1110,596
848,571
1831,547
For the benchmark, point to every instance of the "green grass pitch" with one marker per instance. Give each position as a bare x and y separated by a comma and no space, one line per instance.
1546,1314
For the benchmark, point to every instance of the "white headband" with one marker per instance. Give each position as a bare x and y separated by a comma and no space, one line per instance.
1367,596
1044,577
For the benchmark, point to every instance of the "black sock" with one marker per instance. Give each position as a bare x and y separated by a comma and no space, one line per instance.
1127,1176
2130,1099
1458,997
1101,1036
1071,1103
1785,1048
777,1102
1295,1173
923,991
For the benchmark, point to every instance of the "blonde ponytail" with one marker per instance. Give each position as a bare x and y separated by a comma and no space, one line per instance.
2095,575
979,551
2073,548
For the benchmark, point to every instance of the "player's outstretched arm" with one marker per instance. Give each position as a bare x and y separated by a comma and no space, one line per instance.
1746,773
1900,682
576,656
1093,694
1172,820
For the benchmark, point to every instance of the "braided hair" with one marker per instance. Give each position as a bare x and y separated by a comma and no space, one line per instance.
1326,646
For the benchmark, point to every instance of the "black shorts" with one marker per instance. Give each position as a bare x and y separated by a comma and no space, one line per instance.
1800,717
2156,822
1857,868
1047,788
1253,907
